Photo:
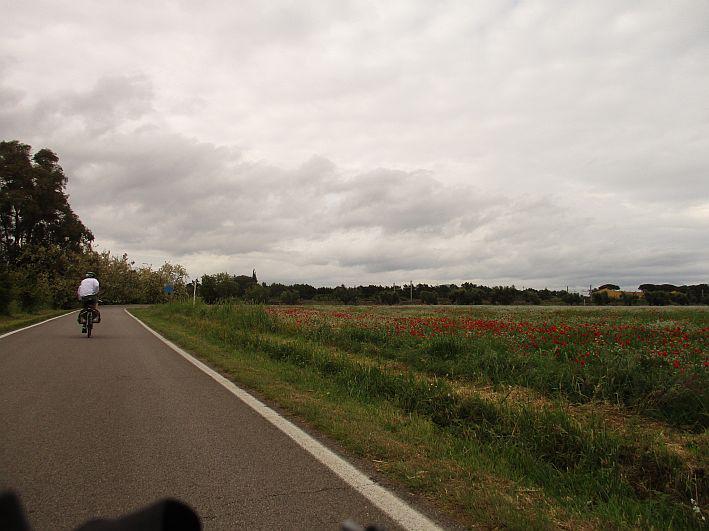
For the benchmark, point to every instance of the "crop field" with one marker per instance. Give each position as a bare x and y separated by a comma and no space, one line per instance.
497,416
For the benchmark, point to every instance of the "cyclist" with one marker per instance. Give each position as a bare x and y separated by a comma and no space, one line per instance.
88,295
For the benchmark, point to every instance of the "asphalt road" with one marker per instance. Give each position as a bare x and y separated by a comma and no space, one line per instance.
100,427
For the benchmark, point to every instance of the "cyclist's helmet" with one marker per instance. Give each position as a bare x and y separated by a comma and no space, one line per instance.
90,274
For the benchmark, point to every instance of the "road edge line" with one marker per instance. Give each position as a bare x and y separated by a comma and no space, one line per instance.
393,506
37,324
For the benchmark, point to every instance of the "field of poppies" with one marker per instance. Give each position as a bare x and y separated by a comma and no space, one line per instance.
541,417
652,361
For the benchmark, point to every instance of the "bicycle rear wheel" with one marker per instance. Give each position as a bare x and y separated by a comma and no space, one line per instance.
89,323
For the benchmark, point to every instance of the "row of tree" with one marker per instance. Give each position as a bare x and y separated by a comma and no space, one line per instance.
223,286
652,294
45,249
661,294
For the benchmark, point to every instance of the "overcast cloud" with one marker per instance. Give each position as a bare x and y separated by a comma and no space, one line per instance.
537,143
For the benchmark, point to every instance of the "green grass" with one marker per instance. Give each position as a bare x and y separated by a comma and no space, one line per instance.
453,436
15,321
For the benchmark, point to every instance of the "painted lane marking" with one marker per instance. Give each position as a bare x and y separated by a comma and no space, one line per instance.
387,502
37,324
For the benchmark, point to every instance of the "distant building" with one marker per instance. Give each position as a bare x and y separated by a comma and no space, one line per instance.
614,292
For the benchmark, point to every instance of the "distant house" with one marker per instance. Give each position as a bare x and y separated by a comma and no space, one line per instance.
607,287
614,292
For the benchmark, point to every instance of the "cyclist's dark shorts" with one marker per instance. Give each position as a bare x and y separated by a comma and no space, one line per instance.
89,300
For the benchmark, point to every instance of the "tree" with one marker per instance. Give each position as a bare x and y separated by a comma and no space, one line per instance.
208,289
600,297
531,296
34,208
428,297
228,287
504,294
658,287
150,286
346,295
628,298
289,296
174,275
657,298
305,291
388,297
678,297
257,294
467,296
244,282
571,298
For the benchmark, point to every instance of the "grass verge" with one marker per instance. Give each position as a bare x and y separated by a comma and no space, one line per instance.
8,323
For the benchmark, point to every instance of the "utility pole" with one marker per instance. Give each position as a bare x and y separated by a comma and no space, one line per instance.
411,292
194,292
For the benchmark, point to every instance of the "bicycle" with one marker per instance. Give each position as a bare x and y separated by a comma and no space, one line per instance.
89,315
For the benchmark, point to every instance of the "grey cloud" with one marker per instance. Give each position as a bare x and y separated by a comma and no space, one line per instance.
198,194
526,142
112,100
108,104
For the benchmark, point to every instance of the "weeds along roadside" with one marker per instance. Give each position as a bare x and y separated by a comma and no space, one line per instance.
579,462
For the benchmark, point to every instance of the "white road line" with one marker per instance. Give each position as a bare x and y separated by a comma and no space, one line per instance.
389,503
37,324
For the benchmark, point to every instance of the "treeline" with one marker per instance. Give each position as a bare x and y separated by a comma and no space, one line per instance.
663,294
223,287
45,249
652,294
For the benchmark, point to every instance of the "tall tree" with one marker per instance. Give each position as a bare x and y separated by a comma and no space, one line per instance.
34,208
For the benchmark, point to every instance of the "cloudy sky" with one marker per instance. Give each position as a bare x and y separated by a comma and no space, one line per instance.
539,143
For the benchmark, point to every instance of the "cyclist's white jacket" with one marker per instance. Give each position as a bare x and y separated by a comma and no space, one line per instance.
88,286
